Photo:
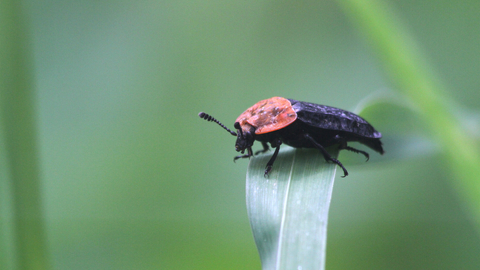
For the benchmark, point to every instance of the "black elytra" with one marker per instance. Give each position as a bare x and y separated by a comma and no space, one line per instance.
300,124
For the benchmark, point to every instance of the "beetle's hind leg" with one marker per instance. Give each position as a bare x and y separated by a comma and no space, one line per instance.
343,145
326,155
265,149
354,150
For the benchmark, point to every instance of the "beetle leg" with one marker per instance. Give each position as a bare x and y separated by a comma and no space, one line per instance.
248,155
326,155
265,149
355,151
268,168
343,145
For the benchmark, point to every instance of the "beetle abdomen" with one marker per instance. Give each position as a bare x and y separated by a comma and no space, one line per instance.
331,118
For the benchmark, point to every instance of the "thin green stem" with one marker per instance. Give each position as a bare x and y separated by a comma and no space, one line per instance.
406,66
19,138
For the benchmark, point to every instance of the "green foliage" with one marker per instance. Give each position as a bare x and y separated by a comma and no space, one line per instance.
100,103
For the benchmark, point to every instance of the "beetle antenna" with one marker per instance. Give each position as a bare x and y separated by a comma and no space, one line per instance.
210,118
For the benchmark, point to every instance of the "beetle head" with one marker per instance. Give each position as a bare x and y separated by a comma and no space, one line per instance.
245,136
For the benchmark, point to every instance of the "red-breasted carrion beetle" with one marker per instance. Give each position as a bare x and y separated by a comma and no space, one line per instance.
279,120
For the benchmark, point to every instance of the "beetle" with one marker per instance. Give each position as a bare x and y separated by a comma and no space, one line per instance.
279,120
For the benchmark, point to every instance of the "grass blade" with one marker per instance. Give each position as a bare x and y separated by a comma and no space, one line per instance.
18,128
406,65
288,211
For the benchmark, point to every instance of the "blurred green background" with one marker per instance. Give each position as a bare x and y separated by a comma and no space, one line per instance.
131,178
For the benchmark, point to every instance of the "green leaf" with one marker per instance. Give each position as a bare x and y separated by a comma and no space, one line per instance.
288,210
404,131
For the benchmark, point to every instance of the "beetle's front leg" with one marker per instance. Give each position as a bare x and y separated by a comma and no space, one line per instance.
248,155
269,166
